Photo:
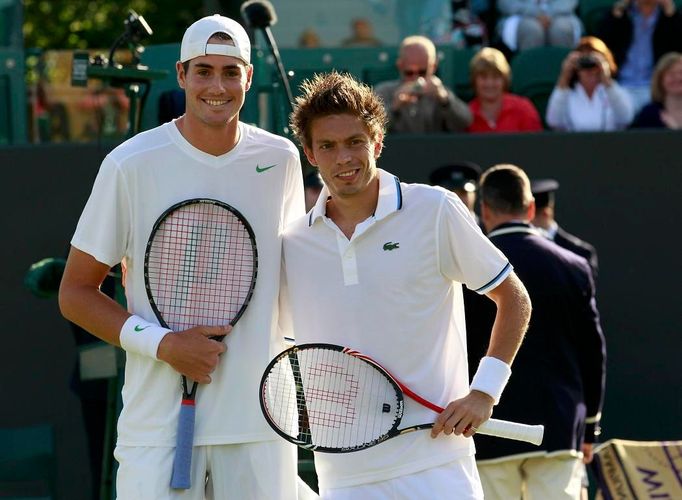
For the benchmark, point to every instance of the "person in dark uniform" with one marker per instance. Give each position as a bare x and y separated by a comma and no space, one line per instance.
461,178
559,373
312,186
544,192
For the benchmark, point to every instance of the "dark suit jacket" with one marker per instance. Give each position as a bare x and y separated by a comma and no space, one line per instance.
617,33
649,117
558,375
576,245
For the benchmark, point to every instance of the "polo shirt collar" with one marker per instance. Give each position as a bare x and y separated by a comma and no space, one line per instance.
390,198
390,195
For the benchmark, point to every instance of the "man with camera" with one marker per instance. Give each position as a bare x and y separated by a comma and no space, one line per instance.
419,102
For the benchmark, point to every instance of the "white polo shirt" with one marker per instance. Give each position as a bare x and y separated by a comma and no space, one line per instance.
393,292
136,183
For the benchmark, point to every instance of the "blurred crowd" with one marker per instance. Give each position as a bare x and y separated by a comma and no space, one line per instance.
610,67
595,67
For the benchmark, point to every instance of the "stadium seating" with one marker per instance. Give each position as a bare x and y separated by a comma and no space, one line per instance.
534,74
373,76
27,462
460,78
592,12
372,65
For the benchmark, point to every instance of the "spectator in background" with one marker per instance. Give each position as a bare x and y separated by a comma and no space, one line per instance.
362,35
586,96
639,32
494,109
545,202
309,39
419,102
484,10
468,29
665,110
525,24
461,178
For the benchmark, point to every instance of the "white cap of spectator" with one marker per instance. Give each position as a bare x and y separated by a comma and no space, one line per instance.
196,37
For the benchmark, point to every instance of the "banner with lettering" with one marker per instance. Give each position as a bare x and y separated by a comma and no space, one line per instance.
638,470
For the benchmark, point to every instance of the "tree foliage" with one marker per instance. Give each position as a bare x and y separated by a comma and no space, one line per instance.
95,24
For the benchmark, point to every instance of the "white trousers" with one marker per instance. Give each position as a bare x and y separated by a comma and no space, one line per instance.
542,478
458,479
248,471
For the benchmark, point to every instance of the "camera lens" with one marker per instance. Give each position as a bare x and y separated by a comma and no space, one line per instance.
587,61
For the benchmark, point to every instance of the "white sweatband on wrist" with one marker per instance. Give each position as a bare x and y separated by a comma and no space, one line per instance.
141,337
491,377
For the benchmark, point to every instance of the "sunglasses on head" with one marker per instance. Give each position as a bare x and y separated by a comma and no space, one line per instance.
410,73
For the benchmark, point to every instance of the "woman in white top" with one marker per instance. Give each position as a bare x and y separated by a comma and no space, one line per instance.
586,96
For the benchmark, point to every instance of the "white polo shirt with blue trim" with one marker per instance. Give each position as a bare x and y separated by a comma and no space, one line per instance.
393,291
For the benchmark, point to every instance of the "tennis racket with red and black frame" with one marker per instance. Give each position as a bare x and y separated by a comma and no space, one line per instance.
200,269
329,398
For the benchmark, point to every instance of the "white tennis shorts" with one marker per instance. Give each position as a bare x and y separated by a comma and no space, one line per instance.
248,471
458,479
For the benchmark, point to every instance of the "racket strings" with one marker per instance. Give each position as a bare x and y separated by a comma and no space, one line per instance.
336,398
200,266
326,398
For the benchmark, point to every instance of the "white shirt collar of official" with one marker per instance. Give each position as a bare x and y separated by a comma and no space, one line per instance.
390,198
515,229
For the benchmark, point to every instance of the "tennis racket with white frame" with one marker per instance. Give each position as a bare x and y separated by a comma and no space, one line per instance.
200,269
329,398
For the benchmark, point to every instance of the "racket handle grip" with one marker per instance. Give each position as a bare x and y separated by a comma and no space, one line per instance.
512,430
182,463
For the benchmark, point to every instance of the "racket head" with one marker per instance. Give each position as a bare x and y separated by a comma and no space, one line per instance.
325,398
200,264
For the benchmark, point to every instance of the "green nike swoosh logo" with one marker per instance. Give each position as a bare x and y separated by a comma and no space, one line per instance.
139,328
263,169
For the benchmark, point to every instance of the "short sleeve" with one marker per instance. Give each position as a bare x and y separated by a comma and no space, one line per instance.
465,254
293,205
103,230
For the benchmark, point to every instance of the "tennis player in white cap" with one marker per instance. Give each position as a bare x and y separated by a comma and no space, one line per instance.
205,153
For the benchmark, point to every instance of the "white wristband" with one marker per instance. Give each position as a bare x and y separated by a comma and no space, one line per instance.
141,337
491,377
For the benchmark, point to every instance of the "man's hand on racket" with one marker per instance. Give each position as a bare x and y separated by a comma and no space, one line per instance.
464,415
193,352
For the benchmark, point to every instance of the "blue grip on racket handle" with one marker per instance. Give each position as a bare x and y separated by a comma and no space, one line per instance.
182,463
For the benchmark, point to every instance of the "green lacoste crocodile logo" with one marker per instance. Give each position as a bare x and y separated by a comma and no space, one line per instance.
389,245
139,328
263,169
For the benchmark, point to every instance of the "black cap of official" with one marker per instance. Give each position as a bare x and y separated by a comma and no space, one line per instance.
460,175
543,191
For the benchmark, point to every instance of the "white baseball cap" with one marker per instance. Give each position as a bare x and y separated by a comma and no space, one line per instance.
195,40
